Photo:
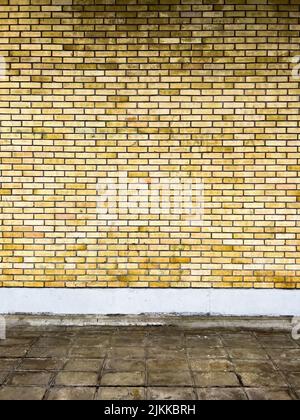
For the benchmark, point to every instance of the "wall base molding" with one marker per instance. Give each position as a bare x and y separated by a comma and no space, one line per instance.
225,302
283,324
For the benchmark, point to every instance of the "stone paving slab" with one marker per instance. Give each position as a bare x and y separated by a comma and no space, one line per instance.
222,394
148,363
268,394
121,393
170,393
71,394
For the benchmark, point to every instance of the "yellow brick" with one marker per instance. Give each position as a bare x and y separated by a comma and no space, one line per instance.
121,95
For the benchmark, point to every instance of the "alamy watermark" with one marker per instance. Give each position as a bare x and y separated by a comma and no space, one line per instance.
296,68
2,68
2,328
120,196
296,328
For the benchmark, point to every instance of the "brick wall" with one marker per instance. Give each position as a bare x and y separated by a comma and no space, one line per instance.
150,96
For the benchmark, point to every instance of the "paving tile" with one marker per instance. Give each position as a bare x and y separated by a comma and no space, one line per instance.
263,380
121,341
159,365
267,394
8,364
171,378
159,353
208,353
284,365
121,393
170,339
211,365
48,330
12,352
71,394
239,340
88,353
53,342
9,393
171,394
74,361
102,342
167,342
117,365
60,332
216,379
27,333
123,379
29,378
76,379
50,352
276,340
247,354
84,365
221,394
16,342
284,354
3,376
41,364
203,342
254,366
294,379
127,353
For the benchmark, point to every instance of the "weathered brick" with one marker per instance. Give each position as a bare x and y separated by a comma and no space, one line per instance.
154,98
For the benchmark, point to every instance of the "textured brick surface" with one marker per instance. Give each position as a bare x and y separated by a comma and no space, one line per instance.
147,91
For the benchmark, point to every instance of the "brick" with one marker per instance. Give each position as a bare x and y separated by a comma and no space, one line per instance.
148,96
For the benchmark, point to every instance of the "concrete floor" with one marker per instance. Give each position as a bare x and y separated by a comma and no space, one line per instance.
58,363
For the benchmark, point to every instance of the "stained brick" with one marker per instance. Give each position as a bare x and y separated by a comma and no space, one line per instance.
151,97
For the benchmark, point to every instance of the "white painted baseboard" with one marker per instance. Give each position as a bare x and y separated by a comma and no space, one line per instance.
226,302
